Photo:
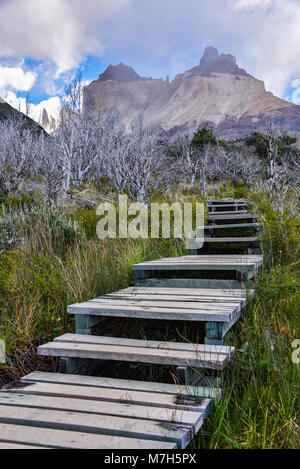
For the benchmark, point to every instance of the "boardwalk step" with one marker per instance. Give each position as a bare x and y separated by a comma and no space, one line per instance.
202,262
211,227
195,267
228,240
233,216
248,263
133,350
229,205
228,212
182,294
62,439
165,303
226,201
70,411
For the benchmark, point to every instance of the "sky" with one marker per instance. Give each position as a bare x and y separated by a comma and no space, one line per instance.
43,44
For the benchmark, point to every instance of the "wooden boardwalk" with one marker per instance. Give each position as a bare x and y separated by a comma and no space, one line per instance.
72,409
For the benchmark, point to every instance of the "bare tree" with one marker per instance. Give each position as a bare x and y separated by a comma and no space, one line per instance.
19,152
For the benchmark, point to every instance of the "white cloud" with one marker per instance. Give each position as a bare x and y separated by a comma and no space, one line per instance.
52,106
157,37
61,31
252,4
16,78
274,45
165,36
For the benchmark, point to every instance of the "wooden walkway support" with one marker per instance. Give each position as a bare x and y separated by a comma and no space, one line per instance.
71,409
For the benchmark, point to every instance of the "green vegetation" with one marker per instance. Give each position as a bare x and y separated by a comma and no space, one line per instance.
260,404
57,260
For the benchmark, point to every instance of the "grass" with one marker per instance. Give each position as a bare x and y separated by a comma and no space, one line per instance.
59,262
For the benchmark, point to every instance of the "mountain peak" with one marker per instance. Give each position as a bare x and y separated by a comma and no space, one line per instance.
213,62
120,72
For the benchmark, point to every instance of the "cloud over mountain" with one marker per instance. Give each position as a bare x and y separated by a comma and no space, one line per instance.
61,31
157,36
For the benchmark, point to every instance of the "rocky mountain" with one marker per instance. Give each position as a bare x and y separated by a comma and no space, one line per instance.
216,92
48,122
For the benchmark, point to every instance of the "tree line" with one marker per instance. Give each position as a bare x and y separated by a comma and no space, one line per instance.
88,147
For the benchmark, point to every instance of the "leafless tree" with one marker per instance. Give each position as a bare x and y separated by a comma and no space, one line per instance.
19,152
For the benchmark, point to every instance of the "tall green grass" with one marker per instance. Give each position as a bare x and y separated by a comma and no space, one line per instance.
58,262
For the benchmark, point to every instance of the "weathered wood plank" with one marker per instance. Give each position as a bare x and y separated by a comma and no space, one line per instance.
183,417
208,300
231,226
227,212
121,342
250,239
121,384
136,354
185,292
193,401
201,262
207,258
221,205
107,425
65,439
145,312
193,283
240,216
4,445
224,201
183,303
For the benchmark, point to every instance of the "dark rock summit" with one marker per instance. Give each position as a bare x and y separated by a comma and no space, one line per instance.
120,72
213,62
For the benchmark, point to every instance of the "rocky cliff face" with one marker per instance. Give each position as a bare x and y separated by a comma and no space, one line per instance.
216,91
49,123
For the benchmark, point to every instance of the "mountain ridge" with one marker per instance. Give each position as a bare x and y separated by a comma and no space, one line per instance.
216,92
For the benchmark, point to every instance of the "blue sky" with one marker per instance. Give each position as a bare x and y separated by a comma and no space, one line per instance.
43,43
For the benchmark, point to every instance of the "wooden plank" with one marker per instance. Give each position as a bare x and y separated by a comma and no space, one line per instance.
121,342
4,445
64,439
145,312
193,283
179,298
202,260
185,305
224,201
234,216
193,243
186,292
235,301
250,266
182,303
182,417
237,204
227,212
232,240
121,384
189,402
207,257
135,354
107,425
231,226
